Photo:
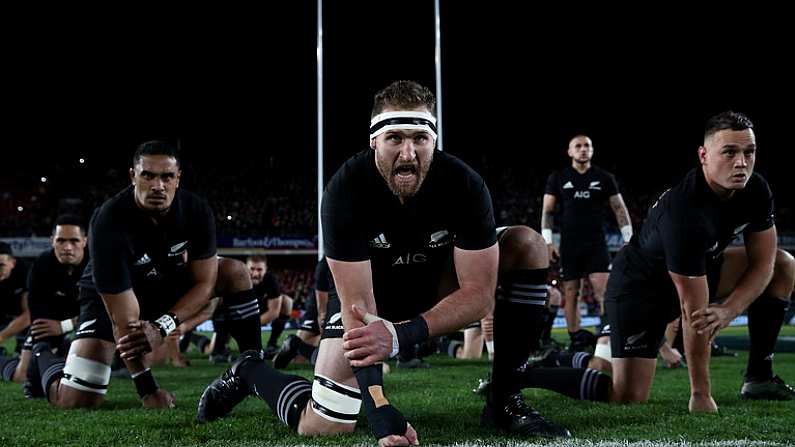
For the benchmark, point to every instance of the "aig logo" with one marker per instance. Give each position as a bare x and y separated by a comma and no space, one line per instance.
582,194
409,258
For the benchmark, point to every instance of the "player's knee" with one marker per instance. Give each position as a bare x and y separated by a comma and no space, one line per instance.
84,383
334,408
233,276
784,266
522,248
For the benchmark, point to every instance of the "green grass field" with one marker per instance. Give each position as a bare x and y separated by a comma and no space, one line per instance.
437,401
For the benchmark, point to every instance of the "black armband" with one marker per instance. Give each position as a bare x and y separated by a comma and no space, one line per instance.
145,383
384,419
411,332
167,324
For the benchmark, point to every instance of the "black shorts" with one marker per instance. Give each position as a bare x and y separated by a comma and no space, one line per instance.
94,321
579,260
309,322
640,305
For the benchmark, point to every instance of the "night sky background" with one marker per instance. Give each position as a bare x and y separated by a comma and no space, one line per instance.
238,86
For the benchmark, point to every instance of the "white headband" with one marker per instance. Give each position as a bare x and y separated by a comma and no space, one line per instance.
387,121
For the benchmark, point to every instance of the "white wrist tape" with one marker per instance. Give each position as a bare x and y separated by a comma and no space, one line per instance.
626,233
546,233
167,323
67,325
370,318
490,346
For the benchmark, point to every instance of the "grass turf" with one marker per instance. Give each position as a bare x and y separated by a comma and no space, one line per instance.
437,401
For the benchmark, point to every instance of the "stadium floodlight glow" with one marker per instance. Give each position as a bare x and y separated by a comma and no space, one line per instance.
228,217
20,209
44,179
82,160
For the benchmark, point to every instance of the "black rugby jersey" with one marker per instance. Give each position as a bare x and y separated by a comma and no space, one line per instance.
11,291
689,225
52,291
409,245
129,250
267,289
583,199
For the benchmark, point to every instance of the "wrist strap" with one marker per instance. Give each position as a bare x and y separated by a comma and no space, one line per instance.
167,324
67,325
145,383
546,233
411,332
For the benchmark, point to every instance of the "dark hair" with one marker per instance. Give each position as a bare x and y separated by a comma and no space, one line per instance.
727,120
257,258
5,249
404,95
155,147
70,219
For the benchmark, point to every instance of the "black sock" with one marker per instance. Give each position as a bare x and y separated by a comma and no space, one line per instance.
577,383
184,341
242,319
221,327
49,365
7,367
287,395
277,327
521,299
306,350
547,322
765,317
572,359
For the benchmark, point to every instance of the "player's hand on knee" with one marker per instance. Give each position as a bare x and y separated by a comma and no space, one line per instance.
371,343
712,319
142,338
43,327
409,438
700,403
160,399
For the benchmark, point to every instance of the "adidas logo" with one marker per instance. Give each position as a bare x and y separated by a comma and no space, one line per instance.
145,259
380,242
568,185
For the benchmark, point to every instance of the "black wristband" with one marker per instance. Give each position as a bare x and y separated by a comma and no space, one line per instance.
411,332
145,383
384,419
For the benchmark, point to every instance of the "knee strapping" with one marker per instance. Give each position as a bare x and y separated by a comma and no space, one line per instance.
603,351
334,401
86,375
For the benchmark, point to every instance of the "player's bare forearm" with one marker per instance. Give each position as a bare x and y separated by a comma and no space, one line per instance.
123,310
693,296
477,278
621,212
354,283
16,326
271,314
761,250
205,314
547,209
204,273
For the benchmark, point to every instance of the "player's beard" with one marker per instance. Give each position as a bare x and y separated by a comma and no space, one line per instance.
399,187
